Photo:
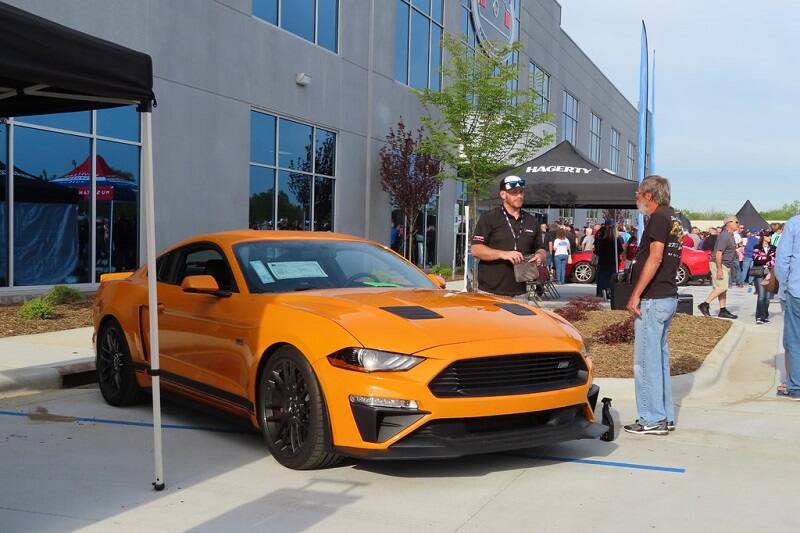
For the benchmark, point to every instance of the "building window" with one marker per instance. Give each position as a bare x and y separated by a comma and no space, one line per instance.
56,160
292,174
613,154
566,215
418,43
513,85
316,21
467,29
539,81
569,118
3,204
630,167
592,216
594,137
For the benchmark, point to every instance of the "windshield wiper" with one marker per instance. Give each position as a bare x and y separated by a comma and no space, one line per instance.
297,289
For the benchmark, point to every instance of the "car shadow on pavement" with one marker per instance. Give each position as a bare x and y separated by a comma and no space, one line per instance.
481,465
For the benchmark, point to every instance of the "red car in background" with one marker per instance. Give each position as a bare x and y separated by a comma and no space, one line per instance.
694,265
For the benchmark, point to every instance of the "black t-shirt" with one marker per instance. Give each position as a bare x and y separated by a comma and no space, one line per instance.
493,230
665,227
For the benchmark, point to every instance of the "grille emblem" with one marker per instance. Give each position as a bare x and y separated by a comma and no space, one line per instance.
563,364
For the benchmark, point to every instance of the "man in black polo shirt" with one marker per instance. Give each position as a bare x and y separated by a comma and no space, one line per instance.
503,237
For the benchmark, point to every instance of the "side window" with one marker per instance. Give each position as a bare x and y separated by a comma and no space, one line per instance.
206,261
164,268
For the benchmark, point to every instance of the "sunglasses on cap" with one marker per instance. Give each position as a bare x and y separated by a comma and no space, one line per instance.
513,184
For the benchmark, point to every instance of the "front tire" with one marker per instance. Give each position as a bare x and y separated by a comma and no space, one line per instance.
115,373
583,272
292,413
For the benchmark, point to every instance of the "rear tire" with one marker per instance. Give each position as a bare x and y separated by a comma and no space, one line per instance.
682,276
115,373
292,414
583,272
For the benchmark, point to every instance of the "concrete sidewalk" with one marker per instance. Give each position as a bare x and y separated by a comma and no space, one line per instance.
30,363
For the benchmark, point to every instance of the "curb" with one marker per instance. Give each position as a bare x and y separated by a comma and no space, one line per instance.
38,378
713,366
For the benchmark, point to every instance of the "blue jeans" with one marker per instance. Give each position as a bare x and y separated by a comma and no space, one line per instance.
762,303
744,275
791,340
561,267
651,361
736,273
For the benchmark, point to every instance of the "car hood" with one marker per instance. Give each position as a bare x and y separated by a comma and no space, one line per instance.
464,318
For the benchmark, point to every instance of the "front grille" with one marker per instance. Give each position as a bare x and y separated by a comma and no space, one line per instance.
509,374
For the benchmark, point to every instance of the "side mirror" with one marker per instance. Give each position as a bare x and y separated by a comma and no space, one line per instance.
438,280
203,284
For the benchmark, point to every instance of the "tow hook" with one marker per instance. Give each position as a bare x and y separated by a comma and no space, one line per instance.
608,420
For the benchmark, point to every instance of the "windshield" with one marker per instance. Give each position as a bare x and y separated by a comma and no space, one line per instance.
286,266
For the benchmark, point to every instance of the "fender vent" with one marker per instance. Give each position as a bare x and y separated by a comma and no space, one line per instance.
412,312
517,309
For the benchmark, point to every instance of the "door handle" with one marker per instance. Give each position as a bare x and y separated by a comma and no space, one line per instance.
161,307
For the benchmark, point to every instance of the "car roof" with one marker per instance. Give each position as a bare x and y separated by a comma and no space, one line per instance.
232,237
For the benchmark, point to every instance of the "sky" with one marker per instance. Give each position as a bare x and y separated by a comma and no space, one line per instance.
727,86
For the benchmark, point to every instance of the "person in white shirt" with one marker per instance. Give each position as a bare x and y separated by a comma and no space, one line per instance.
562,252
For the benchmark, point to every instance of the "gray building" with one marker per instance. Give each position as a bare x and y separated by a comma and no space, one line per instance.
270,114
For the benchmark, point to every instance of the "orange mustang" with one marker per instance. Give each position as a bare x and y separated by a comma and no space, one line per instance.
336,346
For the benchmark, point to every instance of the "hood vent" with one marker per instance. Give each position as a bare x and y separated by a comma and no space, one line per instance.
517,309
412,312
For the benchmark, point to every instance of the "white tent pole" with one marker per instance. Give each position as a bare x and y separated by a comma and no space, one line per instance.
152,302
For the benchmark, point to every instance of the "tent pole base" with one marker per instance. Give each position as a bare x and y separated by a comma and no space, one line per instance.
158,486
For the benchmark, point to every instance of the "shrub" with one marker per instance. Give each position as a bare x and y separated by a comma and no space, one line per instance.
576,308
61,294
619,333
37,308
443,270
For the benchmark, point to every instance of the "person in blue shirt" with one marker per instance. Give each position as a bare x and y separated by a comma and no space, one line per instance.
752,242
787,272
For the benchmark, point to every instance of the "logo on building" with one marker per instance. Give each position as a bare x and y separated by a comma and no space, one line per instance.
494,21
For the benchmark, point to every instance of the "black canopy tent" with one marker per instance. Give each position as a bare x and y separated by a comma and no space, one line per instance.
48,68
563,177
750,218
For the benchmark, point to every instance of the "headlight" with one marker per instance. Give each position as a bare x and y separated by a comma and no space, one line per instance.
585,353
365,360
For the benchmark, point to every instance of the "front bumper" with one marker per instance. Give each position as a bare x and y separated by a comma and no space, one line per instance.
457,437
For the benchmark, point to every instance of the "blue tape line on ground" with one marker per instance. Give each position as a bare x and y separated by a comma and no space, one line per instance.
126,422
615,464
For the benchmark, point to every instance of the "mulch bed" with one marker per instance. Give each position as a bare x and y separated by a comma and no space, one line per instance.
68,316
691,339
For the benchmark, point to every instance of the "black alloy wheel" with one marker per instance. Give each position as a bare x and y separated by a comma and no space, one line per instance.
292,413
115,373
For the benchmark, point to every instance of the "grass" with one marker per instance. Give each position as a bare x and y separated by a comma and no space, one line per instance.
691,339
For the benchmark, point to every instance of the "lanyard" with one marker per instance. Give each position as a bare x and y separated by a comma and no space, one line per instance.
515,236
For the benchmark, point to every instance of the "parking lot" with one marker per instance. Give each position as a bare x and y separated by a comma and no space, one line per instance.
70,462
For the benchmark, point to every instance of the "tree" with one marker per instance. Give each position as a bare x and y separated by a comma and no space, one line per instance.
478,123
408,176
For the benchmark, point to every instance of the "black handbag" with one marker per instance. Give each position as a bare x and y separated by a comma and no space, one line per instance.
757,272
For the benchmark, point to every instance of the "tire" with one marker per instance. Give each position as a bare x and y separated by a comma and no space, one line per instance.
682,276
292,414
115,373
583,272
